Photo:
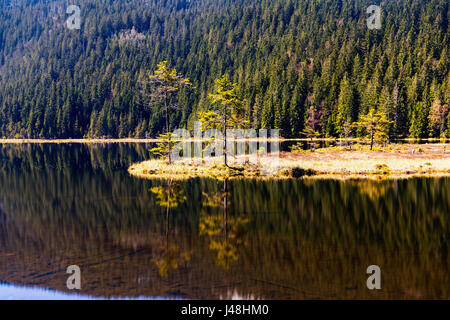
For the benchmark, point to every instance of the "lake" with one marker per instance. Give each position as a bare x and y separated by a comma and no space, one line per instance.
73,204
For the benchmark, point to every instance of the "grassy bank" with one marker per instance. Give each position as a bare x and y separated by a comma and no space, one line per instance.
403,161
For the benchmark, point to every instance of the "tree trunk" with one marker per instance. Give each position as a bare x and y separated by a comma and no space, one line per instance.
225,134
371,139
166,107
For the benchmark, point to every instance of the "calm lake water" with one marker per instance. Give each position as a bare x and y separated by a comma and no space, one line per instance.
64,205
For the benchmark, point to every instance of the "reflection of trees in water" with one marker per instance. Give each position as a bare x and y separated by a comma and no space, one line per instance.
102,157
169,196
374,190
225,232
308,239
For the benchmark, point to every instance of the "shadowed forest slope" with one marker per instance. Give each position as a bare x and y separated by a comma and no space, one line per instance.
294,60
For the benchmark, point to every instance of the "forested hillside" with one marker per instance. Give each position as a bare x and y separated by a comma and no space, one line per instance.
296,62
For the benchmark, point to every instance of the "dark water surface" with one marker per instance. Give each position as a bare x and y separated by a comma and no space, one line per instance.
64,205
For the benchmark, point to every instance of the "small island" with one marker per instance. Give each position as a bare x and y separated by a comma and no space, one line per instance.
393,162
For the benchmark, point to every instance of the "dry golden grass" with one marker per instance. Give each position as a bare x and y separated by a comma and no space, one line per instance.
429,161
213,168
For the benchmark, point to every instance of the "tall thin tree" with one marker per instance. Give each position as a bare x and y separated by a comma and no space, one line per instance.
232,106
164,84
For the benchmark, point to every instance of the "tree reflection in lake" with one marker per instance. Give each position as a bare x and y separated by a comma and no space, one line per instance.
76,204
170,195
225,233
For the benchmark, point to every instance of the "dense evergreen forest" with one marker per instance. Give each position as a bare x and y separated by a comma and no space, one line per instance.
296,62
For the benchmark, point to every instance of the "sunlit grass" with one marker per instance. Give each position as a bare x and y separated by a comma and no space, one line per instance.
393,161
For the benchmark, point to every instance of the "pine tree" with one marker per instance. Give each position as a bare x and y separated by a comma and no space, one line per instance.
419,121
165,83
231,107
375,125
347,109
437,117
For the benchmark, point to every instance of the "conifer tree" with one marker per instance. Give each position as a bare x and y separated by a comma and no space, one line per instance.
437,117
375,125
164,84
230,107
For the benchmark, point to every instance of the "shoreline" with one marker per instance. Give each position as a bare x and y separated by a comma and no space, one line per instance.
408,141
79,141
119,140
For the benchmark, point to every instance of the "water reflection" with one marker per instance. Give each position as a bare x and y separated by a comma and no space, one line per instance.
225,233
170,195
62,205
